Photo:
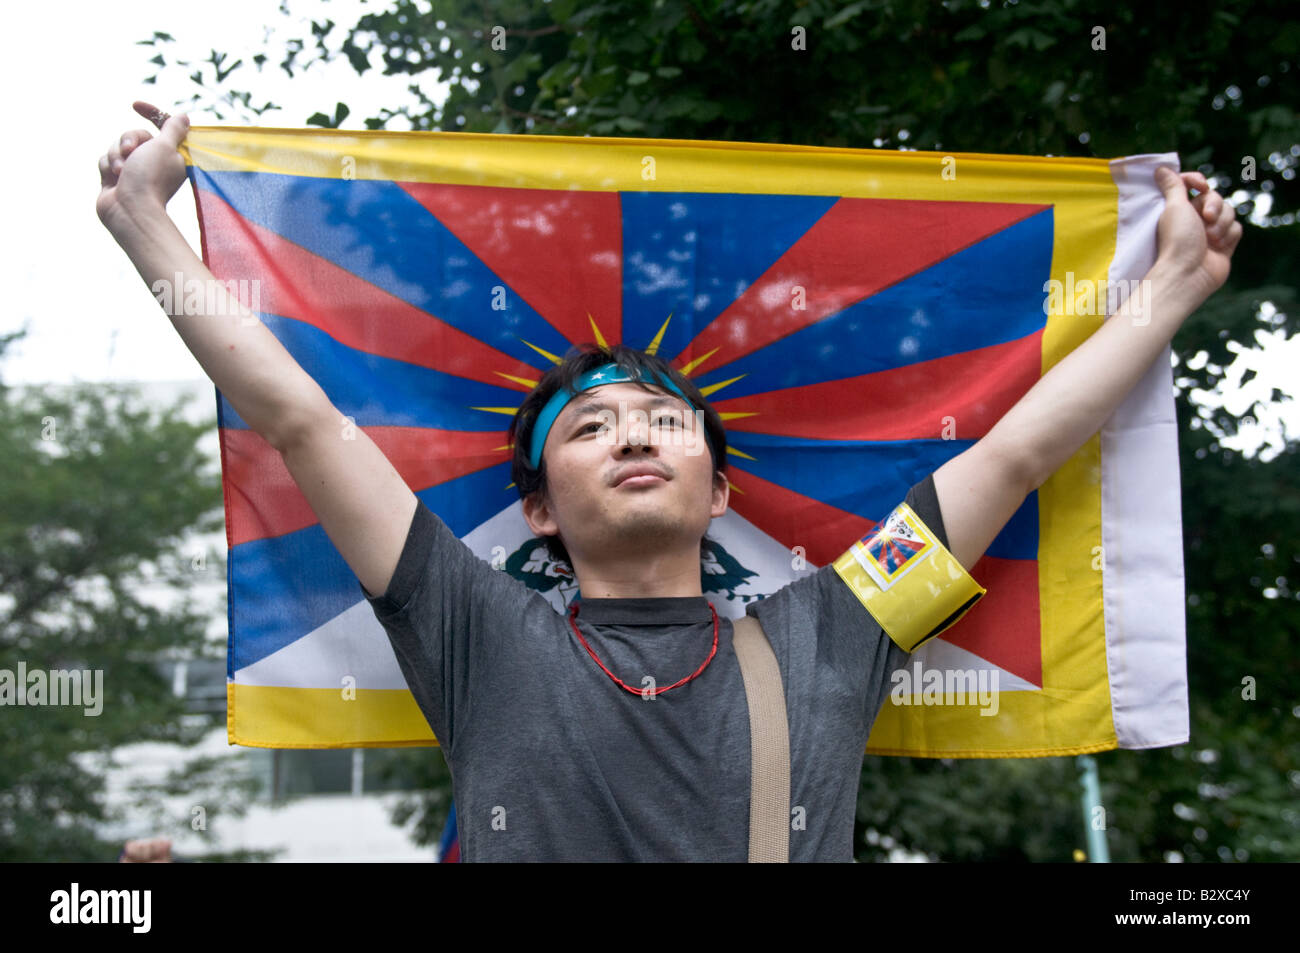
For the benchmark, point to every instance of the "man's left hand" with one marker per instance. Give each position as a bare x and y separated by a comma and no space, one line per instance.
1196,237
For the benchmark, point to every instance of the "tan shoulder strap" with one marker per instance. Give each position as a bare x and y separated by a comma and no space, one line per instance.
769,744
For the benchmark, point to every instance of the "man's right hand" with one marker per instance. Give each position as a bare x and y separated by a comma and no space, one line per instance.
140,172
363,503
156,851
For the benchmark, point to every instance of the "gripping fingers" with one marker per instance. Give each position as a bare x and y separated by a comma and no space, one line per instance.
110,165
1222,229
1195,180
1213,206
131,140
1208,205
1217,214
1233,236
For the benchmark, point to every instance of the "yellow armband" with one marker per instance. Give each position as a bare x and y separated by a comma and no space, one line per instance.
907,580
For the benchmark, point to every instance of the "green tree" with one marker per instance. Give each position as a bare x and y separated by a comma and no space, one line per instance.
1215,82
98,495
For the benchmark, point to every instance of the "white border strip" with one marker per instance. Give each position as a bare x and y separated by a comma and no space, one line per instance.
1143,590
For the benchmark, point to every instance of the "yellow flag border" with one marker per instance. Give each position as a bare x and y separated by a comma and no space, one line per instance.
1084,200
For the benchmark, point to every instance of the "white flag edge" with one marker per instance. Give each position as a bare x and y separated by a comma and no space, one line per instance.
1143,583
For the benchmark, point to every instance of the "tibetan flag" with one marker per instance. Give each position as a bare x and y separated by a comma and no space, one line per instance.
449,841
858,317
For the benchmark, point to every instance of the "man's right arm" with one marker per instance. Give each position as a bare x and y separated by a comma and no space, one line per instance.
363,504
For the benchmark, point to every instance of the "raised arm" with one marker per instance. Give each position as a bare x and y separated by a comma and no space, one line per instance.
981,489
362,503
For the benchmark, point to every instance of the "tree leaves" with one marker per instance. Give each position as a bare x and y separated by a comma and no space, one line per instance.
341,112
99,497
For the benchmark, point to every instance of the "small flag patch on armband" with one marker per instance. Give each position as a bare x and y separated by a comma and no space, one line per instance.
909,582
894,548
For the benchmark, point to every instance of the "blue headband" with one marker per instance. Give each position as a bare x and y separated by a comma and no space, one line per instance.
608,374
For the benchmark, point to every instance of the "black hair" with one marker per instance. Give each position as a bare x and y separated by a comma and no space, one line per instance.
580,359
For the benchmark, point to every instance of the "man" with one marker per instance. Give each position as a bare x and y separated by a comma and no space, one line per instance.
619,731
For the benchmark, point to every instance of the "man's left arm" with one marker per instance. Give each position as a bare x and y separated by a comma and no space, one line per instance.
980,489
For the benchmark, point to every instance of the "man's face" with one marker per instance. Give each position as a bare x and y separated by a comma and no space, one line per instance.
595,498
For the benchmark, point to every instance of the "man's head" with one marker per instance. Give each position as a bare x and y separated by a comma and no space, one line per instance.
578,495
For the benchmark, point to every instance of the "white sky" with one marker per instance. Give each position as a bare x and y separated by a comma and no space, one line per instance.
91,318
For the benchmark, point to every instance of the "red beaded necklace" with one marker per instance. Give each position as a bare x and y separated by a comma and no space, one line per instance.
573,615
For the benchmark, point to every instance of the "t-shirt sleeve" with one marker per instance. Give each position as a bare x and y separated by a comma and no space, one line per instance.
833,623
444,610
903,574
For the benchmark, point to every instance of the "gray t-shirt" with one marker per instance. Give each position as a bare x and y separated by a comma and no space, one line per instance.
553,761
